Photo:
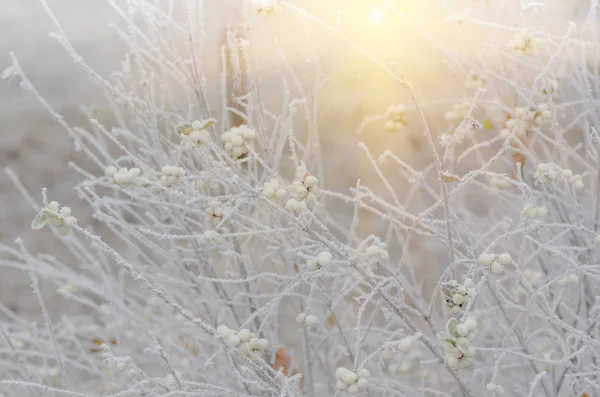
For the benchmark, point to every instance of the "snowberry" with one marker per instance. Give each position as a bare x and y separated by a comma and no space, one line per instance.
349,378
505,259
500,183
215,211
568,280
396,118
235,340
237,140
324,259
362,383
353,388
306,189
486,259
300,318
245,335
273,191
171,175
311,321
533,211
377,251
363,373
470,323
462,329
458,299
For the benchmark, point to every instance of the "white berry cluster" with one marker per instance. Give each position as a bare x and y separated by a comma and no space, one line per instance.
322,260
546,173
215,212
499,183
475,80
196,131
55,216
396,118
244,340
458,113
352,382
273,190
237,140
522,43
266,8
568,280
532,118
377,251
494,388
123,177
532,211
307,320
459,349
171,175
495,263
304,191
575,180
457,295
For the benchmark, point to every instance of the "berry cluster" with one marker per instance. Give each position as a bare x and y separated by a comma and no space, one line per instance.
532,211
308,320
237,140
531,119
459,349
396,118
568,280
352,382
377,251
244,340
494,388
273,190
546,173
196,131
215,212
55,216
457,295
495,263
123,177
171,175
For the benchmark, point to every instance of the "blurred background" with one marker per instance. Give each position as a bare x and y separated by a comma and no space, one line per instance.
415,35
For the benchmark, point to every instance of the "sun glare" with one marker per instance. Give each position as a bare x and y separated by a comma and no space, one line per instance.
376,16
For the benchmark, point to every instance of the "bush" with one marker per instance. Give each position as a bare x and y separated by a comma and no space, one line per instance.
228,266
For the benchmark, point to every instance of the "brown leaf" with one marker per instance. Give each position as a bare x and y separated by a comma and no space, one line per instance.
283,361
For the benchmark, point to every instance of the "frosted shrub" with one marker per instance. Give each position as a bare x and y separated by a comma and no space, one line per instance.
225,261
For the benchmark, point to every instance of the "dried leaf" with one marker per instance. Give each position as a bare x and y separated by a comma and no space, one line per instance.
283,362
330,320
448,177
